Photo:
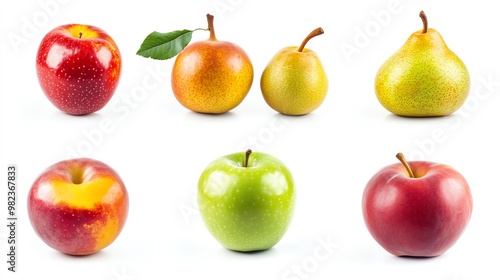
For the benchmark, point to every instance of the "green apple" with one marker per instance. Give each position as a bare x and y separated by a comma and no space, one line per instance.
246,200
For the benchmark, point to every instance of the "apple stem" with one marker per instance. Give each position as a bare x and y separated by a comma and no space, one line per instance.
401,158
247,155
81,34
76,176
424,20
210,20
314,33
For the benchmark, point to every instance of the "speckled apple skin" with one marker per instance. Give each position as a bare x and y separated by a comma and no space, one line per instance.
79,219
78,75
247,208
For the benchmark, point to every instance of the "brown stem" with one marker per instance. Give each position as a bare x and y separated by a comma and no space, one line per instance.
81,35
401,158
247,155
210,20
314,33
76,175
424,20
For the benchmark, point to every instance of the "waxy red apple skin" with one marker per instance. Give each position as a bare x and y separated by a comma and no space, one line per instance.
422,216
78,68
66,239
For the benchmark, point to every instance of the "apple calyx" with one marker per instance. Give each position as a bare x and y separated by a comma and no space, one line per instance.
401,158
424,21
210,20
247,155
314,33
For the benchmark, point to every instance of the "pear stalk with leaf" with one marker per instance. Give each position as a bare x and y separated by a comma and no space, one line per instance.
424,78
209,76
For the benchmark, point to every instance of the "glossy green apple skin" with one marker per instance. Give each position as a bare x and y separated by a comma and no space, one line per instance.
247,208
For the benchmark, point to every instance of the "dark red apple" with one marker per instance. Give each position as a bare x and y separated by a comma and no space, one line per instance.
78,67
417,208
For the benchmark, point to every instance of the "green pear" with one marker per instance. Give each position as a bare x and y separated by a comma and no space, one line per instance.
294,82
424,78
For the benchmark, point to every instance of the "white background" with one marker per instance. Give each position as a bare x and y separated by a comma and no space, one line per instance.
160,148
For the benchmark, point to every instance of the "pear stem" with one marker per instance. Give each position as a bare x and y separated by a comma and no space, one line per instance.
210,20
401,158
314,33
424,20
247,155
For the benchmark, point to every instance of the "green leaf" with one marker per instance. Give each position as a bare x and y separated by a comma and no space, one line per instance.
165,45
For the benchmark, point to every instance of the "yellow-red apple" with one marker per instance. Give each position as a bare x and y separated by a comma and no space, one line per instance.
78,206
78,67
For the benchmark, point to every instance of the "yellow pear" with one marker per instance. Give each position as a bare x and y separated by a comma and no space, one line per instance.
424,78
294,82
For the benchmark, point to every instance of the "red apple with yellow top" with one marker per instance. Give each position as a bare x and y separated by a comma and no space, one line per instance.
78,68
78,206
